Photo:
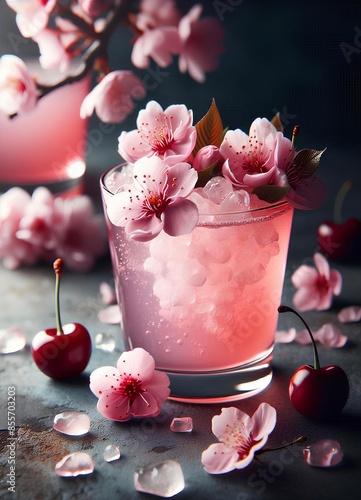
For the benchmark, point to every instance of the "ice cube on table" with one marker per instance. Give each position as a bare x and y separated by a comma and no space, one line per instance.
75,464
164,479
325,453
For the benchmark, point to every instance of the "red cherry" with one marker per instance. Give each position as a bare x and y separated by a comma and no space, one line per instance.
61,352
317,392
340,241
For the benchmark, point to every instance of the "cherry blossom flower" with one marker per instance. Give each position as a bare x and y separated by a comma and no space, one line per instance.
52,52
133,388
201,44
32,17
156,13
159,43
168,134
316,287
18,91
79,232
156,201
43,227
349,314
240,437
112,98
14,252
250,158
328,334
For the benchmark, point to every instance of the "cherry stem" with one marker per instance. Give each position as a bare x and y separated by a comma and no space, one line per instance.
316,361
300,439
346,186
58,268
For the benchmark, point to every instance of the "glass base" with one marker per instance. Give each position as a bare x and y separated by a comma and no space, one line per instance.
221,386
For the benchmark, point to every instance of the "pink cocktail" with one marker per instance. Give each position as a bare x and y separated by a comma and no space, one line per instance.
46,146
205,304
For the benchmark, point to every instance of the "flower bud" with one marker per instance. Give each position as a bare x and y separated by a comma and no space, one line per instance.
206,157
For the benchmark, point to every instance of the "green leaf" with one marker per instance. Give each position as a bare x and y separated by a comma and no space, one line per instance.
209,129
306,161
271,193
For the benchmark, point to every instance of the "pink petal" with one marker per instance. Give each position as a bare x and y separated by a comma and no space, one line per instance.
259,179
335,282
158,386
107,293
228,419
144,229
111,315
264,421
137,363
303,337
185,180
331,336
218,458
306,299
349,314
114,407
285,336
304,276
102,379
322,265
180,217
147,407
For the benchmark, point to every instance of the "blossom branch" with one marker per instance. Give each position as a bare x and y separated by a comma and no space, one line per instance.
99,46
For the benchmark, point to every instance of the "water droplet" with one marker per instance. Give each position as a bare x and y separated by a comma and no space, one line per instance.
167,351
166,337
182,424
105,342
111,453
11,340
180,342
75,464
72,423
164,479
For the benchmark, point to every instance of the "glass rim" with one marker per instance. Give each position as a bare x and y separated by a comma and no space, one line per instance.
280,204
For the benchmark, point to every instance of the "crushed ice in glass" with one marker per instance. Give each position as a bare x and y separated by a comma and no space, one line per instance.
11,340
325,453
72,423
217,189
75,464
236,201
164,479
111,453
181,424
105,342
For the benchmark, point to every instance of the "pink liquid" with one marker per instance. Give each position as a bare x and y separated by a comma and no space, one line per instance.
205,301
46,146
